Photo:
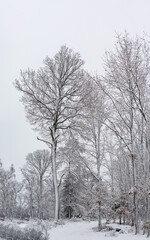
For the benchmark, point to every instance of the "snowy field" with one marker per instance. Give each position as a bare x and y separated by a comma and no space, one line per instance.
85,231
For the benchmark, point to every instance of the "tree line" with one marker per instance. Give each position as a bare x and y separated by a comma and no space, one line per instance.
96,129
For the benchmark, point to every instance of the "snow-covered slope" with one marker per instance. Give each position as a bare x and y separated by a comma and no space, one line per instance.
84,231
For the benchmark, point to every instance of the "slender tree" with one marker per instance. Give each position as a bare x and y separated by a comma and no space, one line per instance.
92,134
35,172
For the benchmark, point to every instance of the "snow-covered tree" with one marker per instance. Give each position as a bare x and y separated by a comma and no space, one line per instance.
124,82
52,97
35,172
95,113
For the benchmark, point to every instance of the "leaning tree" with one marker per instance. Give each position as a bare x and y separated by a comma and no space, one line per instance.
52,97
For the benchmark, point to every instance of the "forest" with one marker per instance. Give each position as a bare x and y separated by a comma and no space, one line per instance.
96,130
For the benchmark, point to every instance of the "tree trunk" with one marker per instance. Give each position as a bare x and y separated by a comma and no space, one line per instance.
31,204
135,204
148,210
99,177
55,178
40,198
99,217
120,219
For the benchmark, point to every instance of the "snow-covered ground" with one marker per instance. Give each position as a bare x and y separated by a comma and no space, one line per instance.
84,231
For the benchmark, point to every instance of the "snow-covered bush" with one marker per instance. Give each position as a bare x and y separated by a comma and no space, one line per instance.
111,234
12,233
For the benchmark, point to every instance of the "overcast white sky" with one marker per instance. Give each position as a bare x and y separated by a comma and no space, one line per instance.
32,29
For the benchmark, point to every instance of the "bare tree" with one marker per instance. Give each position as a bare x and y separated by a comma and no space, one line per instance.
52,97
126,75
9,189
92,134
30,185
36,168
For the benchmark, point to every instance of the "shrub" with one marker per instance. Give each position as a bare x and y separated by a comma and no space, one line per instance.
11,233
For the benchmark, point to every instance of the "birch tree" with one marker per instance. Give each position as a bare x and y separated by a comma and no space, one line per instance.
52,97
